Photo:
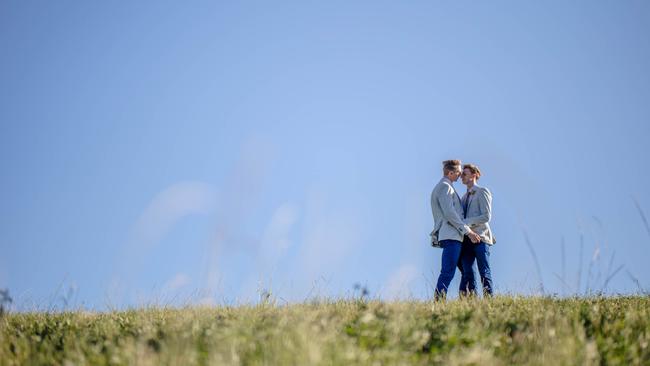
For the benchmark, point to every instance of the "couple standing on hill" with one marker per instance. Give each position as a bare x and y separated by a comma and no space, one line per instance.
462,229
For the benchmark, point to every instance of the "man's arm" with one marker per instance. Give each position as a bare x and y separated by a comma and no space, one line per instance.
484,198
446,199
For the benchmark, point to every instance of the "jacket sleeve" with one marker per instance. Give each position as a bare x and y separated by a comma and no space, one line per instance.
446,199
484,198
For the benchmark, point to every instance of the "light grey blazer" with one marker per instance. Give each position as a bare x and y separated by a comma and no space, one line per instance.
447,212
479,213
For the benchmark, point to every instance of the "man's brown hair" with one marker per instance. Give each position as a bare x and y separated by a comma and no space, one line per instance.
474,169
450,165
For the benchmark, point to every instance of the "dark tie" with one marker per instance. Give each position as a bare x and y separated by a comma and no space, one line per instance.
465,202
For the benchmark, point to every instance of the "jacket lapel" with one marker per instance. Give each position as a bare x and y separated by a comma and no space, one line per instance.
470,197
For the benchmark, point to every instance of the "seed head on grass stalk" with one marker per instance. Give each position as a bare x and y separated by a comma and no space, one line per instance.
642,214
582,246
537,267
594,258
611,276
563,279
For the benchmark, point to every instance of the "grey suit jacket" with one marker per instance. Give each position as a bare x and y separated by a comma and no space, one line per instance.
447,212
479,213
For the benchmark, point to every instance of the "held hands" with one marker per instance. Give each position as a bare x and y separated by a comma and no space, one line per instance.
474,237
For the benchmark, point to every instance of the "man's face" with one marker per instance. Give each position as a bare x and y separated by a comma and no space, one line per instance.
453,176
467,176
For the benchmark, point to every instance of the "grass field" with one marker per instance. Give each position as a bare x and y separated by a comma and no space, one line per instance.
501,331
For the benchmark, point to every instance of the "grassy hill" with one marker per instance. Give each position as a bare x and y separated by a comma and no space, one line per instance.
500,331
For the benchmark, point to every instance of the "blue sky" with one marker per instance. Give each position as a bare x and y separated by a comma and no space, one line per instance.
159,152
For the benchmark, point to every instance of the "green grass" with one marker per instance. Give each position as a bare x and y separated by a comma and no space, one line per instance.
501,331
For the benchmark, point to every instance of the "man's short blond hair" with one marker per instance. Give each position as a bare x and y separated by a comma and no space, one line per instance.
474,169
450,165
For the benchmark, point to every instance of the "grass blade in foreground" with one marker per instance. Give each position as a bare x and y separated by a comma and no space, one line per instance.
500,331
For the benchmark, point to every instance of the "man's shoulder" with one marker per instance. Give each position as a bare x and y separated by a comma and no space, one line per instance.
443,185
483,190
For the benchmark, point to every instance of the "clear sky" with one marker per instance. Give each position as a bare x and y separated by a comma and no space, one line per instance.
203,152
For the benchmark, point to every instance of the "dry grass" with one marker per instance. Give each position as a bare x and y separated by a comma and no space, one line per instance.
501,331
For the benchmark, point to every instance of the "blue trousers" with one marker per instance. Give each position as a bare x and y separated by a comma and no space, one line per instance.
450,255
468,278
481,253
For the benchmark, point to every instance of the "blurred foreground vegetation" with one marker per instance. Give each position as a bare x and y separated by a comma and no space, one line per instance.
500,331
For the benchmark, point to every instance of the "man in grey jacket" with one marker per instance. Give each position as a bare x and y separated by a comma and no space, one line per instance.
477,208
449,228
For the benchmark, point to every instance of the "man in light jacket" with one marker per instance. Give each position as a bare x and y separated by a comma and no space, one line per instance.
477,208
449,228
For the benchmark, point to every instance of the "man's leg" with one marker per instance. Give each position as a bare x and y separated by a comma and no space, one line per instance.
463,278
450,255
466,264
482,252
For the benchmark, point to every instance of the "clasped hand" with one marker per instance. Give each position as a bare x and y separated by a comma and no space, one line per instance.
474,237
